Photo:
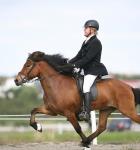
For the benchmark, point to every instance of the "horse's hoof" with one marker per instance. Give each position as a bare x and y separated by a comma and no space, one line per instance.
37,126
86,144
86,148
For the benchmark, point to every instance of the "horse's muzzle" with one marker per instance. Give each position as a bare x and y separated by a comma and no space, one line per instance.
20,79
17,82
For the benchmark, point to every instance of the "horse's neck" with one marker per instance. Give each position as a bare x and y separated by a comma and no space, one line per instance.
47,75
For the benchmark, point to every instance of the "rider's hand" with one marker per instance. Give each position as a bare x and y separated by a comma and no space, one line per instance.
76,70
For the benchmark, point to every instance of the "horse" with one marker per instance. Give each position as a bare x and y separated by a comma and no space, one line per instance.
61,95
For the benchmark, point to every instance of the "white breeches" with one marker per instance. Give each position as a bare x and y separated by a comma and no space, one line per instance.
88,81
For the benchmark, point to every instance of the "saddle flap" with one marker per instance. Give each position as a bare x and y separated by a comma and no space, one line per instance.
93,91
80,82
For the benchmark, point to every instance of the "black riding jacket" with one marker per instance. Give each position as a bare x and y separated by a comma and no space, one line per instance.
89,56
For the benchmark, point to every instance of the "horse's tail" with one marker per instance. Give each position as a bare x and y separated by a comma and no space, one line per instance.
136,92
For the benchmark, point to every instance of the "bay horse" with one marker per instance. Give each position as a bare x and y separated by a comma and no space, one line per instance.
61,95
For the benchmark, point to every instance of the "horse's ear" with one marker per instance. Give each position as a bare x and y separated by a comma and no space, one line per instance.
29,54
37,56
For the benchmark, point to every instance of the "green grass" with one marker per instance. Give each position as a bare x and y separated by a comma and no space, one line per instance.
119,137
15,137
26,137
46,136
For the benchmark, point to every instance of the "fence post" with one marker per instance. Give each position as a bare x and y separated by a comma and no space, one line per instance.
93,125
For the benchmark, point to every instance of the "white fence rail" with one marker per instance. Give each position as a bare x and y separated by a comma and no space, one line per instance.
44,117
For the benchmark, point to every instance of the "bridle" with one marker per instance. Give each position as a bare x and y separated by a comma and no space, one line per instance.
25,79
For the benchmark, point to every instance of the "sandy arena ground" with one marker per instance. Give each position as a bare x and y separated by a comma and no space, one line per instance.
67,146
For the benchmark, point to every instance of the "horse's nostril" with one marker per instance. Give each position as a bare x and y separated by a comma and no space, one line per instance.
16,82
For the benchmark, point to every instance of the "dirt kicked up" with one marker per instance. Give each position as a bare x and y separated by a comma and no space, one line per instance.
67,146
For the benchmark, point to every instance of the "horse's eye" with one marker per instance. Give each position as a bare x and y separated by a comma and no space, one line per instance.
28,65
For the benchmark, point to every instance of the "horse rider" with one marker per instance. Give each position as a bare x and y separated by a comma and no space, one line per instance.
88,60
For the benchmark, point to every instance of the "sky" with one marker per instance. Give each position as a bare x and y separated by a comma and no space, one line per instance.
56,26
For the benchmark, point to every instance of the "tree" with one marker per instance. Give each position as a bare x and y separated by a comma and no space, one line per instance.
20,101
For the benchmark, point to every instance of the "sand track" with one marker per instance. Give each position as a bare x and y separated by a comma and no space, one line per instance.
67,146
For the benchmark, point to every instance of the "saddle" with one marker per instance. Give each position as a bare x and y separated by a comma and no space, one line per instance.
93,90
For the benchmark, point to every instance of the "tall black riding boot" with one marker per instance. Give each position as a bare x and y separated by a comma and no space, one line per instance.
85,114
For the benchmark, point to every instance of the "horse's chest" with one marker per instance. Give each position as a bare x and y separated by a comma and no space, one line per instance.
52,106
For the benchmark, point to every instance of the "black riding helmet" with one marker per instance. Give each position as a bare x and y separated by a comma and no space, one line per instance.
92,23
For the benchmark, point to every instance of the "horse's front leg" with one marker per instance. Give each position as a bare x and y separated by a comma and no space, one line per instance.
41,110
73,120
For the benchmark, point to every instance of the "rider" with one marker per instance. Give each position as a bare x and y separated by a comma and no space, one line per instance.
88,59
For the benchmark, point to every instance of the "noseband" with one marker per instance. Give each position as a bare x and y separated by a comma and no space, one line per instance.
25,79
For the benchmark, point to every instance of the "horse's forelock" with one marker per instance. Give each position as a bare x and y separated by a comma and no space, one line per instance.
36,56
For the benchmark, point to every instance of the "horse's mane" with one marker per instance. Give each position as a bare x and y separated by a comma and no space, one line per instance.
54,60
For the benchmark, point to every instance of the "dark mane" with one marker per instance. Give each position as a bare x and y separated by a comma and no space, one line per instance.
54,60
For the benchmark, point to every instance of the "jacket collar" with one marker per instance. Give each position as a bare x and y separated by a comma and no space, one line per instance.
91,38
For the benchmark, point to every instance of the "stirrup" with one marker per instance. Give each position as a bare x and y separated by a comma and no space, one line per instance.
84,116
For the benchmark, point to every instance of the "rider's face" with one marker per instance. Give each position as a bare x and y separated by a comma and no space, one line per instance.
87,31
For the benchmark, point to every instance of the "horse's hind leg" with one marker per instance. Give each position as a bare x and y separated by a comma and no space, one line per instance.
134,117
41,110
130,111
127,107
103,115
